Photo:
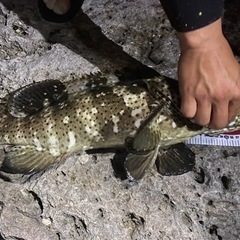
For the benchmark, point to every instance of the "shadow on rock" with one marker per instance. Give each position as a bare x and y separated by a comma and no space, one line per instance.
82,35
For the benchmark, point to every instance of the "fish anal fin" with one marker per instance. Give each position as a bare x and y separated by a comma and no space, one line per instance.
26,159
175,160
32,98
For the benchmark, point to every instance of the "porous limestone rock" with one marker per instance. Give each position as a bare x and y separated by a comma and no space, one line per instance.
84,198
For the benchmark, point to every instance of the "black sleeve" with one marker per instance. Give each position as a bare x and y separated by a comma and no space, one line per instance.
187,15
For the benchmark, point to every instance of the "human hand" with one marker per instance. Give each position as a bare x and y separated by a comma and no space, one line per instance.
209,77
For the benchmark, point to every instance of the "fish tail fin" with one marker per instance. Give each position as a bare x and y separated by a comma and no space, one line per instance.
24,159
29,100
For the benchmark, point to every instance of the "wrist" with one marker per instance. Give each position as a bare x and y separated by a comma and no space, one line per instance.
202,37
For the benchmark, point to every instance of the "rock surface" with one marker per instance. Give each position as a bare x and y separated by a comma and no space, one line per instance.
83,198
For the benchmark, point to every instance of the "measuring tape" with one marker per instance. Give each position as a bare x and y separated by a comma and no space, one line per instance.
229,139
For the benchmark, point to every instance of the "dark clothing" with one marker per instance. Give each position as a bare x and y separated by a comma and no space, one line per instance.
187,15
184,15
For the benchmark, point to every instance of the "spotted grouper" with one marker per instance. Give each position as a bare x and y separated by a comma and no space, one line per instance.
42,123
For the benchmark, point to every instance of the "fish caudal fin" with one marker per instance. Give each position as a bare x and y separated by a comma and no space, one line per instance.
175,160
32,98
26,160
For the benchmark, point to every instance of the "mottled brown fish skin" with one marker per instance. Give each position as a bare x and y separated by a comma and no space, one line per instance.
146,114
96,118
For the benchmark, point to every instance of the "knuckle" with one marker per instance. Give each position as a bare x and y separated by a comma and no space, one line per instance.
202,96
221,97
236,95
202,121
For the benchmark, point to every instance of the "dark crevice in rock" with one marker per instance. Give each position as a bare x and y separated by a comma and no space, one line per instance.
210,202
214,231
172,204
227,154
101,212
1,237
14,238
201,222
20,30
1,208
58,235
38,199
199,175
166,196
226,181
137,220
80,224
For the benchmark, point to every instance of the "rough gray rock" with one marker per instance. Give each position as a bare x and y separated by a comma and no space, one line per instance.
82,198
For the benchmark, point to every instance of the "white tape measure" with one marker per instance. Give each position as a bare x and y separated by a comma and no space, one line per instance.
221,140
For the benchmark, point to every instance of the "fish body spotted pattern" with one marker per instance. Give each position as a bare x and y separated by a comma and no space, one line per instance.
42,123
91,119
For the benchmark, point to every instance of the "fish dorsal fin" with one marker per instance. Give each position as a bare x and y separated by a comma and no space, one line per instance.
175,160
92,80
34,97
26,160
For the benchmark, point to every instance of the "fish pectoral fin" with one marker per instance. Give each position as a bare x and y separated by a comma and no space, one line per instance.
26,160
137,163
34,97
143,147
148,135
175,160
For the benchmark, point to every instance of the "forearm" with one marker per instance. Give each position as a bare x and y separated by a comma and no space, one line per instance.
188,15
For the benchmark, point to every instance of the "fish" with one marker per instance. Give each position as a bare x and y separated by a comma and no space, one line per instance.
44,122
